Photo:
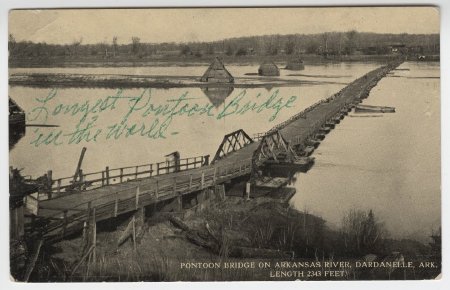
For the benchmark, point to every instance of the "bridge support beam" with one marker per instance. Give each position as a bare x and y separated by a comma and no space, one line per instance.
134,229
179,202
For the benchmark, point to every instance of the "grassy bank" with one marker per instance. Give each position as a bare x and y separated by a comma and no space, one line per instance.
266,229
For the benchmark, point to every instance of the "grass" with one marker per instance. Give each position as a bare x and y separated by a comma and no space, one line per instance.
260,223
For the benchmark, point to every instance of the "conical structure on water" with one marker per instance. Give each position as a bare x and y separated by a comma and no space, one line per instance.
295,64
268,69
217,73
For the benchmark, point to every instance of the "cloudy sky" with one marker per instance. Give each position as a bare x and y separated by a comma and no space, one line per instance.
184,25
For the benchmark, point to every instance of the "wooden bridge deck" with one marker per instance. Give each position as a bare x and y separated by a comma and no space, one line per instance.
111,200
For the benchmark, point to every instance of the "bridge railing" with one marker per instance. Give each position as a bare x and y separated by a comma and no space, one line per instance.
118,175
120,201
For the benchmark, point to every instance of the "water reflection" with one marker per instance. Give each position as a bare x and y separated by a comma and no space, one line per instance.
217,95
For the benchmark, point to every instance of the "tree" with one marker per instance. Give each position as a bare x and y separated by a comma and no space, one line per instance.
115,46
325,37
351,41
436,244
198,53
186,50
290,46
75,47
312,47
362,233
11,43
272,48
241,51
103,49
210,49
135,45
229,51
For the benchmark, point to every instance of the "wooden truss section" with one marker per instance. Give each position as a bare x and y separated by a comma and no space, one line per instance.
272,146
231,143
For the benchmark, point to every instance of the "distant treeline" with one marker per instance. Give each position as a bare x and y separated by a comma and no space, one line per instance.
330,43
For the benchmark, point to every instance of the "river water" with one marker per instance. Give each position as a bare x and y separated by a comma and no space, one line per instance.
390,164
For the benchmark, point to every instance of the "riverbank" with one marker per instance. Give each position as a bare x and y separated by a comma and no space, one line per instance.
145,81
176,60
265,229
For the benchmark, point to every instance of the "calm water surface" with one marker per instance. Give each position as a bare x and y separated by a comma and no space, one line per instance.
390,164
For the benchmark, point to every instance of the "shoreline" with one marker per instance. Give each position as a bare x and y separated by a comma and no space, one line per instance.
309,59
46,80
237,236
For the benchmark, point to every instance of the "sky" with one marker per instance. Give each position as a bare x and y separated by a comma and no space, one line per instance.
187,25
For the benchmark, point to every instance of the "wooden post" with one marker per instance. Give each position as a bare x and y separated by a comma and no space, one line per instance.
203,179
157,168
174,185
64,225
107,176
190,181
151,170
116,204
82,177
134,232
83,236
94,235
137,196
103,178
87,224
180,203
157,189
247,190
136,173
49,183
141,215
202,199
59,185
121,175
89,212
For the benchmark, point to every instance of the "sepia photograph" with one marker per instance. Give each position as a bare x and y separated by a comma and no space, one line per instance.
224,144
